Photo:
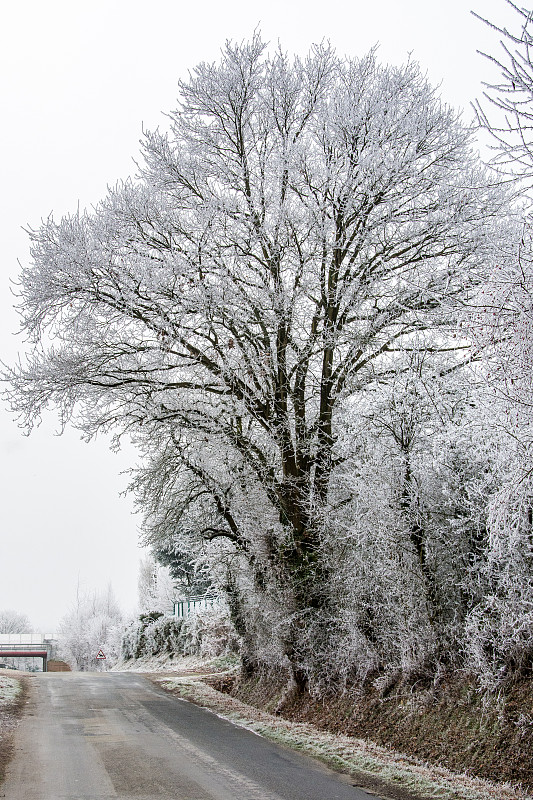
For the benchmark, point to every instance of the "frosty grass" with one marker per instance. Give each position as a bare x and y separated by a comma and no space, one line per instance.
9,690
344,752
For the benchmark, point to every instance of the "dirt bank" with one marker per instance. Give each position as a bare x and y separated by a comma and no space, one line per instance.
453,724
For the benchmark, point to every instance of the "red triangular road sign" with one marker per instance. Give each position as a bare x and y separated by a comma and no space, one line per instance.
100,654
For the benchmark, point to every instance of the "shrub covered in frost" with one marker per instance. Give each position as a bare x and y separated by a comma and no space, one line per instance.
205,634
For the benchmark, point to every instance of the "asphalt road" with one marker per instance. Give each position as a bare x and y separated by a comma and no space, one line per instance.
97,736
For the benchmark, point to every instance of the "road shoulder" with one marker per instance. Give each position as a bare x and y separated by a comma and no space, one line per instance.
373,768
14,694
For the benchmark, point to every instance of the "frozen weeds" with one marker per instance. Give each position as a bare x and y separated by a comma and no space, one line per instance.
9,690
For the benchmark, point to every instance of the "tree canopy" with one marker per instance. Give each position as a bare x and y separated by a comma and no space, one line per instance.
305,231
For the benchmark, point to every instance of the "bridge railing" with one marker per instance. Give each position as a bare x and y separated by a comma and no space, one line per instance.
26,638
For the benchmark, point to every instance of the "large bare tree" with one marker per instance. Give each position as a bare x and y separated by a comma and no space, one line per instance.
299,226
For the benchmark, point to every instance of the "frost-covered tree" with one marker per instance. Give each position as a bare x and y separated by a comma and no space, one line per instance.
14,622
300,225
189,571
506,110
157,589
407,525
93,624
504,325
500,627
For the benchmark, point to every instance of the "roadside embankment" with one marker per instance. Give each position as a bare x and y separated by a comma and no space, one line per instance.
451,723
13,695
384,770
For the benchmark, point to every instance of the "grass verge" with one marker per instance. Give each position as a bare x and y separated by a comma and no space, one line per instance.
13,696
372,767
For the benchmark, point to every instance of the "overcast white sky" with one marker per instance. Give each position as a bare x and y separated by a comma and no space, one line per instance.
77,83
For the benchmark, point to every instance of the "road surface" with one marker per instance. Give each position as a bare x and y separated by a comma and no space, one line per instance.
97,736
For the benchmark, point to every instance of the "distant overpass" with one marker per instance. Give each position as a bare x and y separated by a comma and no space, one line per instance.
27,645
